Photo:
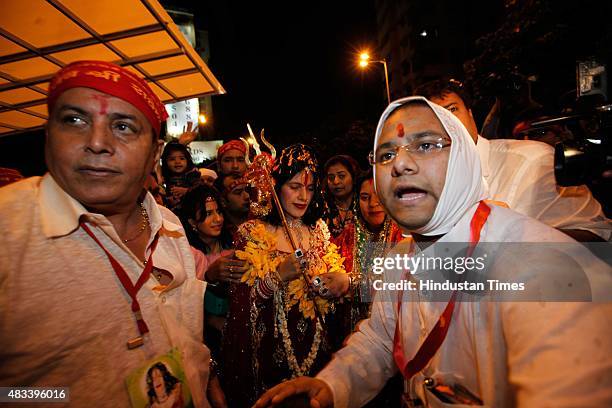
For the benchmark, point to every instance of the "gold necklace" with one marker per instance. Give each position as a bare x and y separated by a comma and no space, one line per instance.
143,226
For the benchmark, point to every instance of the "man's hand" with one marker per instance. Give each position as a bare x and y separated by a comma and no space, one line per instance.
226,269
319,393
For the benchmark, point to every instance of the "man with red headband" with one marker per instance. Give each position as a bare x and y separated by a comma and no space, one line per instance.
230,158
97,282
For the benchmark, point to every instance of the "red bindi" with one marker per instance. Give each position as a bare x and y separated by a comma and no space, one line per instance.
305,178
400,130
103,99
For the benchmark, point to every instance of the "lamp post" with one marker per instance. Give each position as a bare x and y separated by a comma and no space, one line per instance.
364,60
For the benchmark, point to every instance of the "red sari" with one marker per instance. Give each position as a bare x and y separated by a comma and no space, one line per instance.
255,350
359,246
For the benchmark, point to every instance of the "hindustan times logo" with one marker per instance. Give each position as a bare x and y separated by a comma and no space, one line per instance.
459,265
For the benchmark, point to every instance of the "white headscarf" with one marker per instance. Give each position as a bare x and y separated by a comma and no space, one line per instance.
464,185
208,172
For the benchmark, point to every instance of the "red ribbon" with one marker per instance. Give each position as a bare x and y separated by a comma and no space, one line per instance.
436,336
131,289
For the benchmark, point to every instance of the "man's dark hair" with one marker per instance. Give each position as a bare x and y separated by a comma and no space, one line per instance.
219,183
439,88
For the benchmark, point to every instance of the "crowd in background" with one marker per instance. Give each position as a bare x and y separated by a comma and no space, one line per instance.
263,323
212,206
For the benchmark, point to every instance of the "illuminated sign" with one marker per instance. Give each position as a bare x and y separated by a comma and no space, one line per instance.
201,151
180,113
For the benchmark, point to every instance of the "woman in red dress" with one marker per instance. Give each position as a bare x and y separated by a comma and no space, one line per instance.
371,236
276,326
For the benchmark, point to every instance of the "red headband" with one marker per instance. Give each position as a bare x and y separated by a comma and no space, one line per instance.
232,144
113,80
237,182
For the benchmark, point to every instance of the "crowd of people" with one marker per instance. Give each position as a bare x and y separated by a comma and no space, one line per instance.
167,285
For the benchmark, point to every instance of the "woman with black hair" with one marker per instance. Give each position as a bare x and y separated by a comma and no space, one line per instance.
179,173
341,174
163,389
276,324
203,219
372,234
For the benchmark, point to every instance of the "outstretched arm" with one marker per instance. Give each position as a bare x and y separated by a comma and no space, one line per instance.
356,373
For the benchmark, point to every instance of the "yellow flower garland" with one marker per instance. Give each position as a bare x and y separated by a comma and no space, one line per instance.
261,245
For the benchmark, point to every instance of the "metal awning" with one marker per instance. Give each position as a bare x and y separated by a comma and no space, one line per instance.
38,37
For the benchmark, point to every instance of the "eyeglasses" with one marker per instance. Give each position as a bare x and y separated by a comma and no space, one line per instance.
421,147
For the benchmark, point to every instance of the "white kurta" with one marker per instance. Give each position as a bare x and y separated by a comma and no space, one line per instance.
527,354
64,316
521,174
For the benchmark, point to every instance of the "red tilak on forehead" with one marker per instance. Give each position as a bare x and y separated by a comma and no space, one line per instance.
305,177
103,99
371,181
400,130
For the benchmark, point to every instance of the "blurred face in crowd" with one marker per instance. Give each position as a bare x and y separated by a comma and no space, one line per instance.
370,206
454,104
409,186
296,194
237,199
99,149
177,162
211,222
339,181
232,162
208,180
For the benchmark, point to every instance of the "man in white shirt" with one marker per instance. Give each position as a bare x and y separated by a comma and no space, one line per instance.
504,354
521,174
97,282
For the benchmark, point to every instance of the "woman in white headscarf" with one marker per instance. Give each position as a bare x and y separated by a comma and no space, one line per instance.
501,354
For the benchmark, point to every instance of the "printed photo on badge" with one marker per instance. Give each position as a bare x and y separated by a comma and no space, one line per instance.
160,383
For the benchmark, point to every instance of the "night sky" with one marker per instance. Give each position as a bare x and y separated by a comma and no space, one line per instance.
290,66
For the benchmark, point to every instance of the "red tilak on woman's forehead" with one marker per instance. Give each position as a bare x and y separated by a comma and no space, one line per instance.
305,177
400,130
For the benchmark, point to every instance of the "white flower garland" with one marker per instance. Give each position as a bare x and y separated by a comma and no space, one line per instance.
296,369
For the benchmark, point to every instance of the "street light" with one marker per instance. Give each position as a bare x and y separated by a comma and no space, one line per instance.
364,60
